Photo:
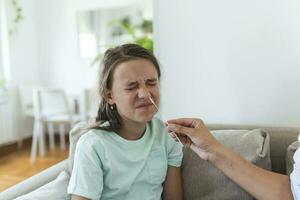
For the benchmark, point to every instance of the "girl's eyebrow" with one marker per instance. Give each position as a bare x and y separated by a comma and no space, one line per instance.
132,83
151,79
129,83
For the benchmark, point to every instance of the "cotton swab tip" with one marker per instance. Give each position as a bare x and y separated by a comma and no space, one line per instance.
152,101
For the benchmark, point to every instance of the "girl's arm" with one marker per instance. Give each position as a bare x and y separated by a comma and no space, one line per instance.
172,186
75,197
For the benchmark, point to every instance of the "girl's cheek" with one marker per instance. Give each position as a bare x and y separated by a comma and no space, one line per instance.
157,93
132,98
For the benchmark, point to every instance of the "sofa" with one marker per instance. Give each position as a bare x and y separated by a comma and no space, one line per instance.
264,146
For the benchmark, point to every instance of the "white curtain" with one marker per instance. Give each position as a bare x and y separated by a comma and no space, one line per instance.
4,47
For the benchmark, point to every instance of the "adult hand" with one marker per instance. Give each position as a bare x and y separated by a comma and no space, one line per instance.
194,134
258,182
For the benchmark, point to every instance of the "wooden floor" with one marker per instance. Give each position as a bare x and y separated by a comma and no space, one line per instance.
16,166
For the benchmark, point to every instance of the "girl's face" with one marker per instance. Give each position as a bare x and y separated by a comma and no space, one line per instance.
133,82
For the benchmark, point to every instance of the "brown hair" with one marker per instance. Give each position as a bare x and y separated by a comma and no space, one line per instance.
112,58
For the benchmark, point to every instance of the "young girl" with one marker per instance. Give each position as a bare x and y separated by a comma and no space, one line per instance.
128,155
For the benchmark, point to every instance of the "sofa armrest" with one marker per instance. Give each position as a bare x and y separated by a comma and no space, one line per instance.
34,182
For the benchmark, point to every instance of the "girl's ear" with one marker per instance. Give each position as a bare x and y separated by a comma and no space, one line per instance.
109,97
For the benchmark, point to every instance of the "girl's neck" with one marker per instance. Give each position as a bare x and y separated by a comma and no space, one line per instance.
132,130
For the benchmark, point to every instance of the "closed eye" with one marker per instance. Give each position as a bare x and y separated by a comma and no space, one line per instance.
132,86
151,82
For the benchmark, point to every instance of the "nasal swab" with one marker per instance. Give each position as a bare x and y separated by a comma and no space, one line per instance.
154,104
152,101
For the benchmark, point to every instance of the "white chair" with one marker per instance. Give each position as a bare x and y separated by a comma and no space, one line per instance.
90,104
25,93
50,108
26,101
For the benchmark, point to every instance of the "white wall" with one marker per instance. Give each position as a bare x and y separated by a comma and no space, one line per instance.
230,61
21,68
100,4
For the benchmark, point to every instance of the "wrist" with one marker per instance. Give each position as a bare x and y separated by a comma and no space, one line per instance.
215,152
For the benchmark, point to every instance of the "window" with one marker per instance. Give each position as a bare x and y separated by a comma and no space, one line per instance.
102,28
4,51
1,46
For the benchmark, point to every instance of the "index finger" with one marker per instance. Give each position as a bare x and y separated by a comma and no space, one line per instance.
181,130
188,122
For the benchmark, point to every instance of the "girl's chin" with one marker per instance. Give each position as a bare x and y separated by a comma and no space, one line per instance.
145,118
140,117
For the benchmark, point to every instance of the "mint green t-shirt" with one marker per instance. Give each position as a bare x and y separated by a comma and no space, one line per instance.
107,166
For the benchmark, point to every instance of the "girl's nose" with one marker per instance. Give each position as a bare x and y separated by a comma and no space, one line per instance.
143,92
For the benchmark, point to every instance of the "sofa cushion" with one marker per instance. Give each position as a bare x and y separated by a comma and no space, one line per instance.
280,139
290,156
201,180
56,190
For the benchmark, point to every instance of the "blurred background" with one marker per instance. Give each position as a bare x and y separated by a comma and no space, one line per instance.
227,62
49,59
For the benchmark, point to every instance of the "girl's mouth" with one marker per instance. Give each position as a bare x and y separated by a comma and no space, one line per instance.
144,105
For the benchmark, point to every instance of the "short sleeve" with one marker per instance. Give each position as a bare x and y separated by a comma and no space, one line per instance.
174,150
87,175
295,175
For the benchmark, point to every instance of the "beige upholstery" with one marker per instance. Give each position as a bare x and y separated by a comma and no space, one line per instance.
280,139
201,180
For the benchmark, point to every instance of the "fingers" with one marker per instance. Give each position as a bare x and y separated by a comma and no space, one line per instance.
180,130
183,139
188,122
189,130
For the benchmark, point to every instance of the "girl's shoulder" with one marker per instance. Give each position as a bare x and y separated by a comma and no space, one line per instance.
93,136
158,129
156,124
